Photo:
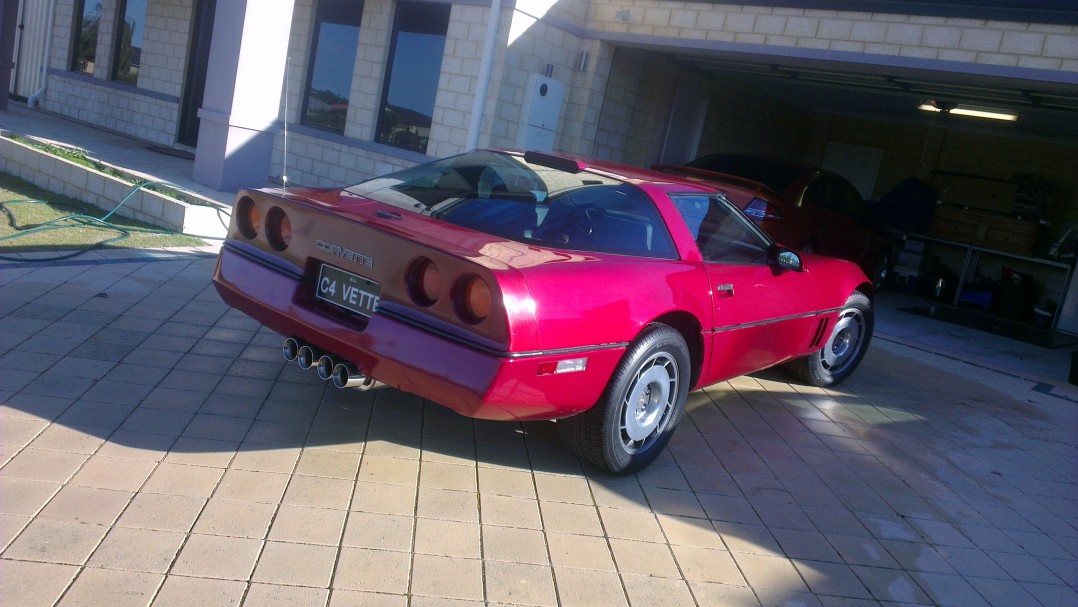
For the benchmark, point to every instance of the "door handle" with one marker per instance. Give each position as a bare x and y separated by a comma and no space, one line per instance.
725,290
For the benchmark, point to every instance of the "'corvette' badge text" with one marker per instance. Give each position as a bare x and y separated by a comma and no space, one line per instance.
348,254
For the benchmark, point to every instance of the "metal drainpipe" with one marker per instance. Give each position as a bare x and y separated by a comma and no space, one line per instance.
483,81
18,49
31,101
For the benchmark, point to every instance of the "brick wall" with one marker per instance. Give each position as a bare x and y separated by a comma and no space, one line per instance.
121,110
639,94
149,111
541,44
972,41
458,83
164,50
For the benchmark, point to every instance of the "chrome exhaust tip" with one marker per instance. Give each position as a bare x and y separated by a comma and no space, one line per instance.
347,376
326,364
307,357
290,349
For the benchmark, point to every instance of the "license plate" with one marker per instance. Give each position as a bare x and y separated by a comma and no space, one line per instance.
351,292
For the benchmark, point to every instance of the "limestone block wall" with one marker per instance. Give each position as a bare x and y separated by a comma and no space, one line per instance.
540,45
145,117
316,160
967,41
635,112
458,84
311,152
149,111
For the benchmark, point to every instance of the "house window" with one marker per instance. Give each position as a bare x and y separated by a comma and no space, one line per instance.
84,44
333,57
412,82
129,42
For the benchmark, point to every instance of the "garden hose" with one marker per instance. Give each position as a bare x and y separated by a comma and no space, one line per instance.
84,220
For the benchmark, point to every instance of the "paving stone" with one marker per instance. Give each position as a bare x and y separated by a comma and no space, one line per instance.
112,587
291,564
191,465
53,541
220,557
32,584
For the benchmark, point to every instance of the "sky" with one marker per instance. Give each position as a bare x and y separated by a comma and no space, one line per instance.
337,46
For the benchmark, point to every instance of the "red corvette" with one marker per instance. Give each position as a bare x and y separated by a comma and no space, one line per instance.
523,286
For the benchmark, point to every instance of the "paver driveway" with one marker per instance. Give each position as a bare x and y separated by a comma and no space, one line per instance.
156,449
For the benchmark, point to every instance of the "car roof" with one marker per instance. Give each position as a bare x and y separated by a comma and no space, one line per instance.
623,172
776,174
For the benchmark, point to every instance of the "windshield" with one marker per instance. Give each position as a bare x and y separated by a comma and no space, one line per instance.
538,202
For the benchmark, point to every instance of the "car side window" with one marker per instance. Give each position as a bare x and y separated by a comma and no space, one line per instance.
722,232
852,203
834,194
818,194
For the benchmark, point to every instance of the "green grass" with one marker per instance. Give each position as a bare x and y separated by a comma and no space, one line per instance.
28,210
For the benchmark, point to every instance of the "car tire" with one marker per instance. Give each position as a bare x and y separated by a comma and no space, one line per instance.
640,407
844,348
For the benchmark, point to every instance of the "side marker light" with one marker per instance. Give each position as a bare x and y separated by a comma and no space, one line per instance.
570,365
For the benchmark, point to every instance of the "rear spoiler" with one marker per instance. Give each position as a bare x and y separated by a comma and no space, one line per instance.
714,176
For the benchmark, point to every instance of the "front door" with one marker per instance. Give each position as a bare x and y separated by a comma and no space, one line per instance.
763,314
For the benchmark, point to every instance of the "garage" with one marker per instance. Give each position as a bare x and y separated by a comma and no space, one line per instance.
971,167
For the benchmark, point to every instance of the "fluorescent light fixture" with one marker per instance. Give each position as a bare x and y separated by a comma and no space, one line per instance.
959,109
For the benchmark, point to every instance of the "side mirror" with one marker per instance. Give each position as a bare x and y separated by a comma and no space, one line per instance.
782,258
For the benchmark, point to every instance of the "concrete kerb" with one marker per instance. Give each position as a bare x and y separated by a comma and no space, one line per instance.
196,216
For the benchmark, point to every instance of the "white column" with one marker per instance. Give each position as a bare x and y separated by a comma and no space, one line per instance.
243,93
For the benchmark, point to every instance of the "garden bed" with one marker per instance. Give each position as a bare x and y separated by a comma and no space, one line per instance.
69,172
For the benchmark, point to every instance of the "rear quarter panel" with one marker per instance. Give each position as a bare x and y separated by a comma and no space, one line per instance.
609,299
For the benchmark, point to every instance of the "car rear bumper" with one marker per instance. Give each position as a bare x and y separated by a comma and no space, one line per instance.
467,379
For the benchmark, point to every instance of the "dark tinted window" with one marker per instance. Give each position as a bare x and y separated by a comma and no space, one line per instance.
88,20
129,40
333,55
723,234
414,68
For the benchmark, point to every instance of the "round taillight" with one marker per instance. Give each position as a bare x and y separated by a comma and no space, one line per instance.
474,301
247,218
425,282
278,229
